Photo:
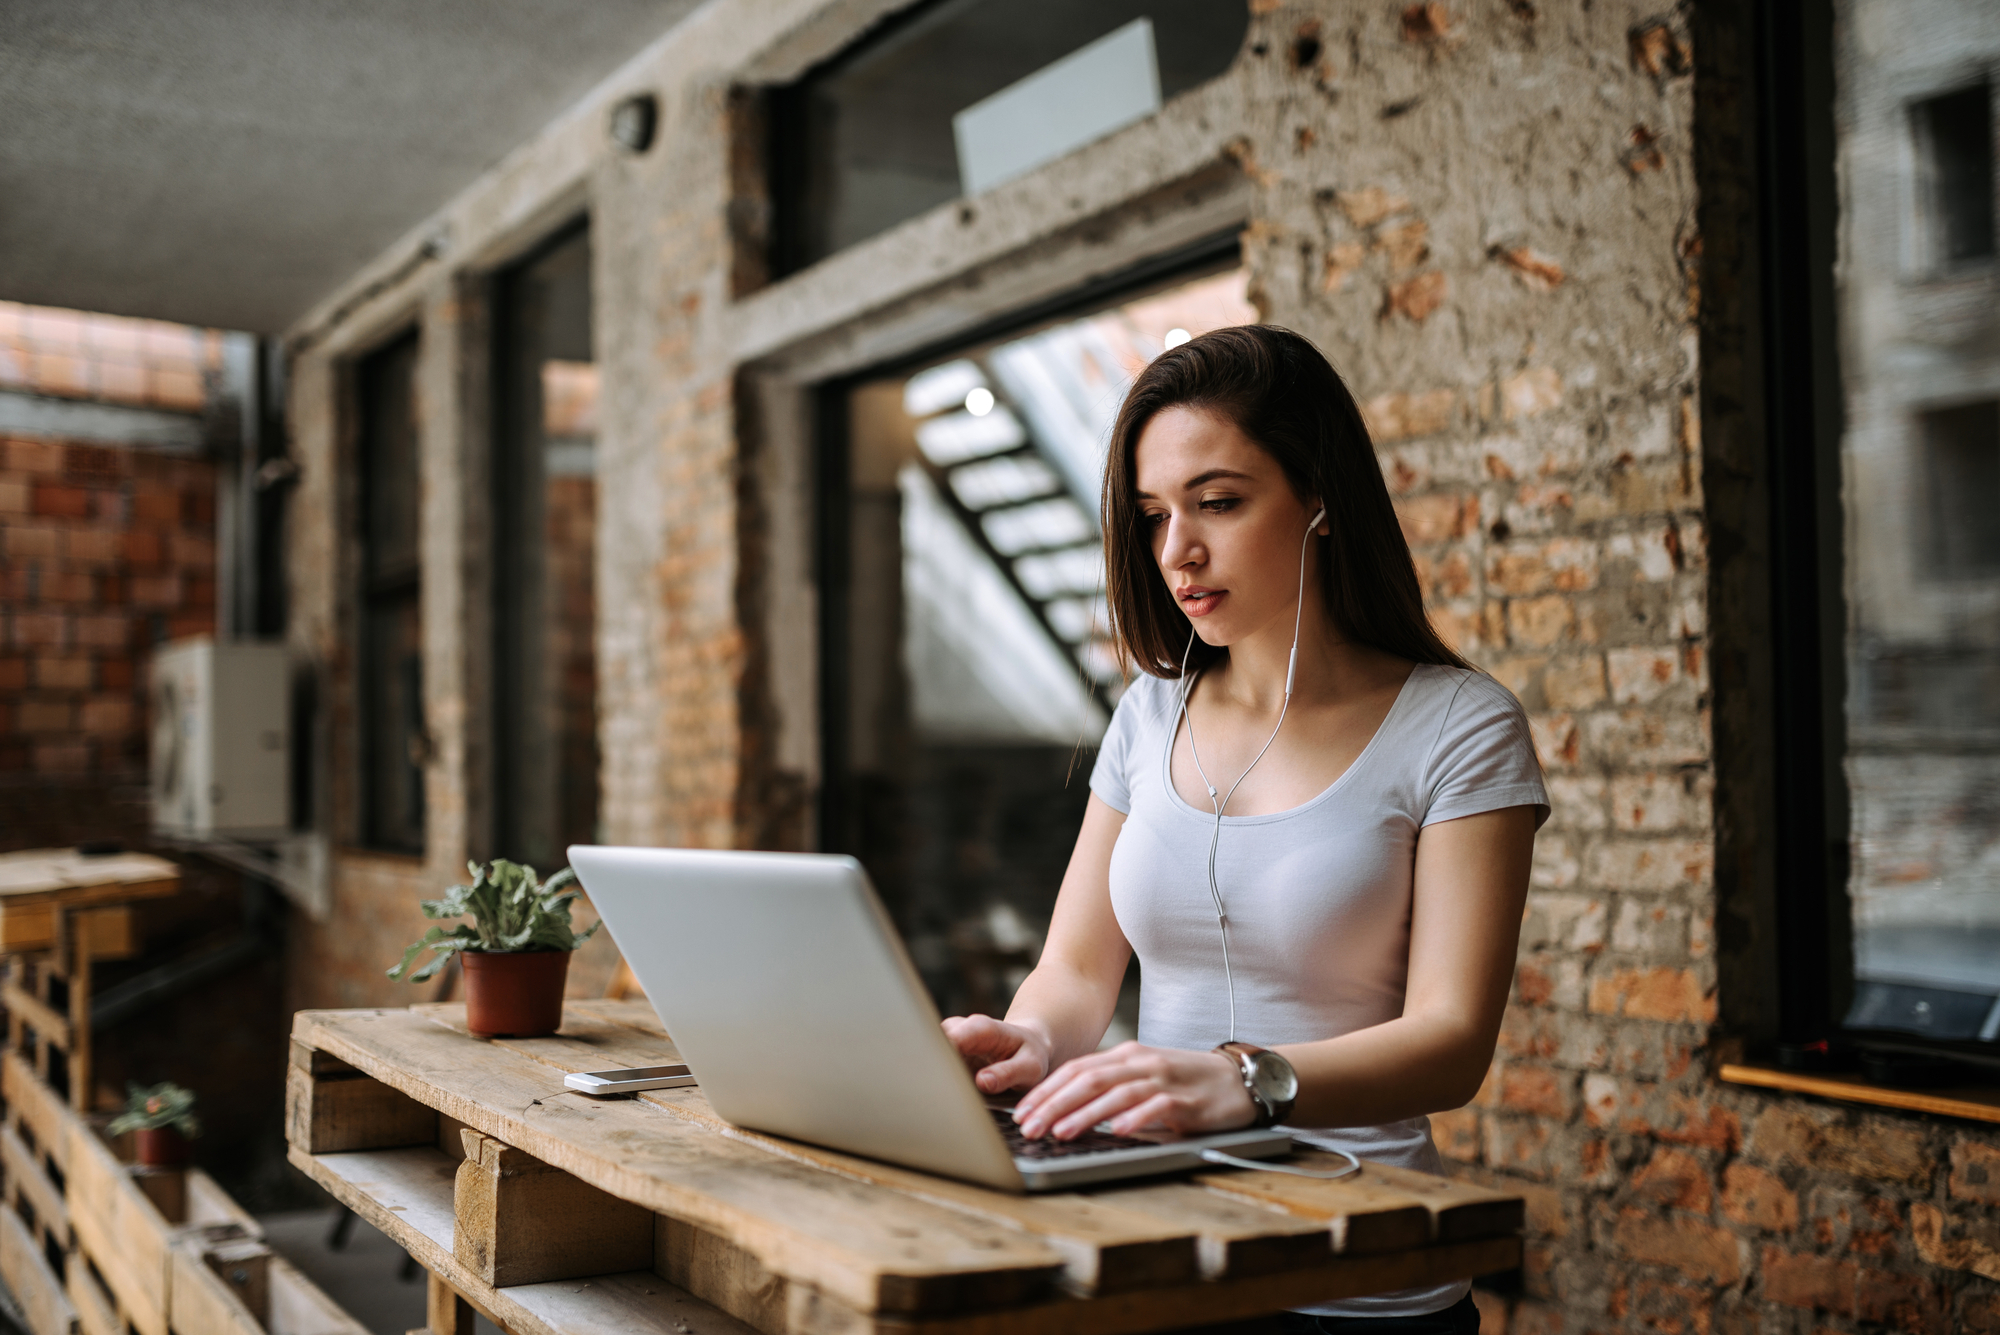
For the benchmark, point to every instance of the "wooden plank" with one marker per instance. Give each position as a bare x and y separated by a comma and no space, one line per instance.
1238,1237
24,1172
37,1107
1230,1299
299,1307
317,1063
352,1112
1367,1217
119,1229
206,1301
1104,1249
96,1313
446,1312
38,1015
1460,1211
407,1194
519,1221
32,1282
872,1249
208,1204
402,1192
1980,1105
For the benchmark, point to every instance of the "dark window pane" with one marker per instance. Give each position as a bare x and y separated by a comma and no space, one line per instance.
867,140
1955,139
544,536
1962,456
394,743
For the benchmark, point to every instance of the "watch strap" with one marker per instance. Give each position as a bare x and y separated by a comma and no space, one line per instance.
1245,1056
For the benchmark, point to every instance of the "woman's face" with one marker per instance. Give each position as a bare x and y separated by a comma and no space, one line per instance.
1224,523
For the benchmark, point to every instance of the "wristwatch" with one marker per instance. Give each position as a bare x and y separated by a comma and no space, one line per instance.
1273,1084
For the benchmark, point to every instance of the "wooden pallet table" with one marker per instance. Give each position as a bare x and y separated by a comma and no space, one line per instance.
60,912
553,1212
92,1245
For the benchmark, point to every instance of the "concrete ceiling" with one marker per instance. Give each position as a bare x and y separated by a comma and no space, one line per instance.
228,162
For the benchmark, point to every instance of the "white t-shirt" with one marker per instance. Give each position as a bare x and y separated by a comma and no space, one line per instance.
1318,897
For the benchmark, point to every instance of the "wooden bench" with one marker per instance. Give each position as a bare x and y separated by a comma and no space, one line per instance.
550,1211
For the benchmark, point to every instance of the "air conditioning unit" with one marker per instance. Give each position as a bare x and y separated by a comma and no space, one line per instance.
221,740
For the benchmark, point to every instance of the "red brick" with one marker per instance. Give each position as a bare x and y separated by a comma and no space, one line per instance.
13,673
156,590
1875,1151
201,508
103,630
1529,393
1752,1196
1537,1089
1957,1242
1457,1134
144,547
178,388
27,542
1904,1302
1398,416
25,455
92,546
1669,1307
75,588
1564,564
57,374
41,630
1437,517
1416,298
192,551
62,502
1653,994
115,674
151,505
64,757
1539,623
107,715
1518,1145
15,496
1979,1314
1689,1246
121,382
1676,1179
37,715
191,624
1821,1283
62,672
1975,1172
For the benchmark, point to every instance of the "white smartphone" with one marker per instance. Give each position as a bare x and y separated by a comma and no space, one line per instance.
630,1080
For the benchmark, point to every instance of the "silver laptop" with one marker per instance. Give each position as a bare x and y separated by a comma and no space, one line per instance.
788,992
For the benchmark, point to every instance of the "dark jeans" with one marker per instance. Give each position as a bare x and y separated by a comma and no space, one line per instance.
1461,1318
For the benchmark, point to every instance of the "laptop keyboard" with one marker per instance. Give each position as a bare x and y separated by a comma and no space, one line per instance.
1048,1147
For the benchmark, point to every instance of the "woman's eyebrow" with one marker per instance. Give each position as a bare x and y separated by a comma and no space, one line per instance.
1198,480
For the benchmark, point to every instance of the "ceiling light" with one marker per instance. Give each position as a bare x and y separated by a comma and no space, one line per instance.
1176,337
979,401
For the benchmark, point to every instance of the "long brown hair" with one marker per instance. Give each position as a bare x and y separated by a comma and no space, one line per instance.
1281,392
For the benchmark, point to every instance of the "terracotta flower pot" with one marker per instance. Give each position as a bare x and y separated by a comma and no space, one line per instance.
516,994
161,1147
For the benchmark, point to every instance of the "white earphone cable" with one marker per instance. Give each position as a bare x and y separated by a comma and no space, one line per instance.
1215,835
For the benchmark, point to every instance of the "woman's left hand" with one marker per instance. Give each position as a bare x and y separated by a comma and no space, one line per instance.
1134,1087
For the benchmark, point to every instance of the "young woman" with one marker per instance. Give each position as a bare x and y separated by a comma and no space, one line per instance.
1310,818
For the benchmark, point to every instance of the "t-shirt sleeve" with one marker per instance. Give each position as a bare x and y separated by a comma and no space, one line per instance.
1484,757
1110,778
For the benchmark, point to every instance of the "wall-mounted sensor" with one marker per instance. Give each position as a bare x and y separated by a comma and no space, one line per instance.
633,121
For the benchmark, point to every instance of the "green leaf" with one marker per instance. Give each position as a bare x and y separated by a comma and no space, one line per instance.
510,909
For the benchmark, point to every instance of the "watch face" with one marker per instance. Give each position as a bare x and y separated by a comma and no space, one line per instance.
1274,1078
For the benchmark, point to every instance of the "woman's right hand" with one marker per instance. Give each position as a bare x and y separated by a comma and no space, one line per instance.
1002,1056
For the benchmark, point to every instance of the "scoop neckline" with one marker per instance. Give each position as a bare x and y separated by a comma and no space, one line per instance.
1182,804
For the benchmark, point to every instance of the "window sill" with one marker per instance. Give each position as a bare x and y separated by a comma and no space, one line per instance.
1971,1102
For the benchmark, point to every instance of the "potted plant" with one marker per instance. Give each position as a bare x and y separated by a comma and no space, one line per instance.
162,1120
515,951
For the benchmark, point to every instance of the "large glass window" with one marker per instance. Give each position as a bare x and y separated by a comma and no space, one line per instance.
969,675
544,546
394,745
1920,367
955,96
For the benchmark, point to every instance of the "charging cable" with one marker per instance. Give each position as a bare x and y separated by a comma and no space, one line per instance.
1231,1161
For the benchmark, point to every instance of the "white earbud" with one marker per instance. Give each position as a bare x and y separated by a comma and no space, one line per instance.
1215,836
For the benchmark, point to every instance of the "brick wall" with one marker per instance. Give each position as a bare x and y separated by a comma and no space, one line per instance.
103,553
106,358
